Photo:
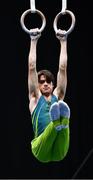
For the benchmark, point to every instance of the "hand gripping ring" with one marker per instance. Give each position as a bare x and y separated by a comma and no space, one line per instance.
30,11
58,16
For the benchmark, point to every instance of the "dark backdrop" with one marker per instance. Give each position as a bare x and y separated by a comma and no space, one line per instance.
17,160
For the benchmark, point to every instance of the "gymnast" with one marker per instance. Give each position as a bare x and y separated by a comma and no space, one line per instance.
50,114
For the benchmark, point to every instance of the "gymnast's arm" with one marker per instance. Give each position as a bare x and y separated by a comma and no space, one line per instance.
60,89
32,72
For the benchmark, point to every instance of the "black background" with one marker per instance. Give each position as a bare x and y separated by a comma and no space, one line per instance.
16,159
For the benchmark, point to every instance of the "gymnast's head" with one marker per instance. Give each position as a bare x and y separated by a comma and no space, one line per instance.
46,82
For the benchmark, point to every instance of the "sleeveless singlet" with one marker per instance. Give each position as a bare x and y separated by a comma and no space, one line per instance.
40,116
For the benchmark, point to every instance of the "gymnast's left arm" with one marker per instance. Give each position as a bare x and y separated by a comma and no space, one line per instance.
62,71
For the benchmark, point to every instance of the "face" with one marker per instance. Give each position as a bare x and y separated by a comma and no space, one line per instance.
46,87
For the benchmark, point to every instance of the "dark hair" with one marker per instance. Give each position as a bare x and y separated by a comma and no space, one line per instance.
48,75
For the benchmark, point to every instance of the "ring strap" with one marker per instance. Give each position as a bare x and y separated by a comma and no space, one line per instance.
32,5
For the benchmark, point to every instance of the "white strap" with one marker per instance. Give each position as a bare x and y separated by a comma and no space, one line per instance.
64,5
32,5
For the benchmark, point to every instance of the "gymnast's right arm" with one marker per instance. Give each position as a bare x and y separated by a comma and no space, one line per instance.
33,89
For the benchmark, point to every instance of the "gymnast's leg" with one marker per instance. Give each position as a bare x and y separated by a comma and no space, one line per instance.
42,145
61,144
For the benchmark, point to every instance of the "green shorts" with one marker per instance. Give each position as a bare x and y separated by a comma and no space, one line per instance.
51,145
